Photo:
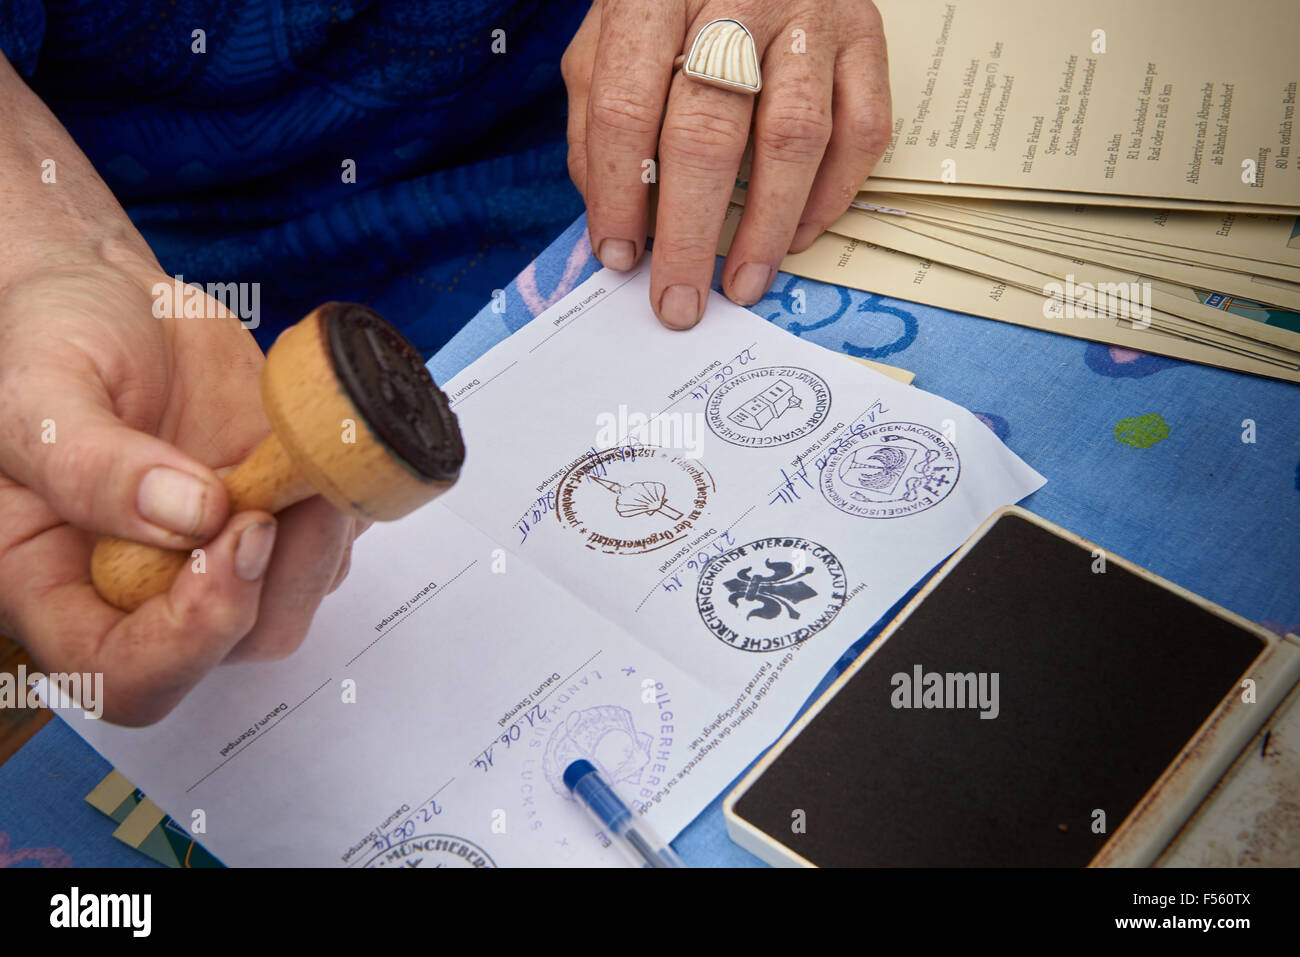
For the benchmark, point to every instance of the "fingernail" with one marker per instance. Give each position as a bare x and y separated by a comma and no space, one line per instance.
752,280
804,235
173,499
254,550
679,307
617,254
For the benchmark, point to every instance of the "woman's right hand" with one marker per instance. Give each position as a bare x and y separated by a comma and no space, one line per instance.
113,422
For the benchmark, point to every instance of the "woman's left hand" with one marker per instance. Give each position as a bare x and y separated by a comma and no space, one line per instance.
821,122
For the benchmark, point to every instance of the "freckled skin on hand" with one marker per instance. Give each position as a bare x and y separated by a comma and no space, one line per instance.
819,122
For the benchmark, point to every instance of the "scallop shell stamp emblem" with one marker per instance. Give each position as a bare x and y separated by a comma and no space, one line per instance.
891,470
724,55
633,499
605,735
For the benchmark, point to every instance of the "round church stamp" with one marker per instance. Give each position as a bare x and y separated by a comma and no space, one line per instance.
766,407
891,470
771,593
432,850
633,499
605,735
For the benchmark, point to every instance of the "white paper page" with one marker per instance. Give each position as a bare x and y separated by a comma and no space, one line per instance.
554,381
665,621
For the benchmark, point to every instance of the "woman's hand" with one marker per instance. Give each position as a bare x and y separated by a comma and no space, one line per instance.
821,122
113,418
112,421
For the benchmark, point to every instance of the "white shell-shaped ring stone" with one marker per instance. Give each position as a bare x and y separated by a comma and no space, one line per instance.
724,55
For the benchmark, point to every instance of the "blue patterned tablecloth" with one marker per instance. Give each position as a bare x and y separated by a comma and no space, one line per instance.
1144,455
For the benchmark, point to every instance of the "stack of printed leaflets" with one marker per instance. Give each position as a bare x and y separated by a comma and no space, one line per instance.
1121,172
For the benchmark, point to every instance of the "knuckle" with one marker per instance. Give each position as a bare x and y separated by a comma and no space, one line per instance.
341,575
795,131
874,23
11,394
210,610
577,163
871,130
136,697
76,469
861,24
575,72
148,662
23,391
675,250
134,713
231,618
219,615
702,141
622,113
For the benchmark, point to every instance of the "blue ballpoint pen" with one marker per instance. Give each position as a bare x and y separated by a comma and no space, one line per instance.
625,828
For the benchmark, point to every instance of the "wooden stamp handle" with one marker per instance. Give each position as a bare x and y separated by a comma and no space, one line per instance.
127,573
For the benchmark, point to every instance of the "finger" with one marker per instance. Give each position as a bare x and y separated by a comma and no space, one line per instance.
629,83
862,127
341,575
313,542
703,139
575,68
151,658
60,438
792,126
358,526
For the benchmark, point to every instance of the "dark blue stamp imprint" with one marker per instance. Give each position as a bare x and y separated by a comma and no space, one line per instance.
774,405
432,850
891,470
771,593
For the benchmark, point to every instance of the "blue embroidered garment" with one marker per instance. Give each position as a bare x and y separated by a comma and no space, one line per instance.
230,147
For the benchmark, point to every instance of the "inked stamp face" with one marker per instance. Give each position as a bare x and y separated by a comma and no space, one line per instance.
766,407
771,593
633,499
386,379
433,850
891,470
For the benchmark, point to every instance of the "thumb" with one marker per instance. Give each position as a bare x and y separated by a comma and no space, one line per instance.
101,475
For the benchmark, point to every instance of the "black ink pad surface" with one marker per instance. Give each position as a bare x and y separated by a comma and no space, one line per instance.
1117,692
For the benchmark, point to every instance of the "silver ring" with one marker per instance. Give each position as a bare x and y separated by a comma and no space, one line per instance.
724,55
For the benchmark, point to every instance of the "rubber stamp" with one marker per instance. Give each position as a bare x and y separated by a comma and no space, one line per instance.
355,417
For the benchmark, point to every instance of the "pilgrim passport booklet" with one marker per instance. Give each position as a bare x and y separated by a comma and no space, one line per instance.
658,546
1151,99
